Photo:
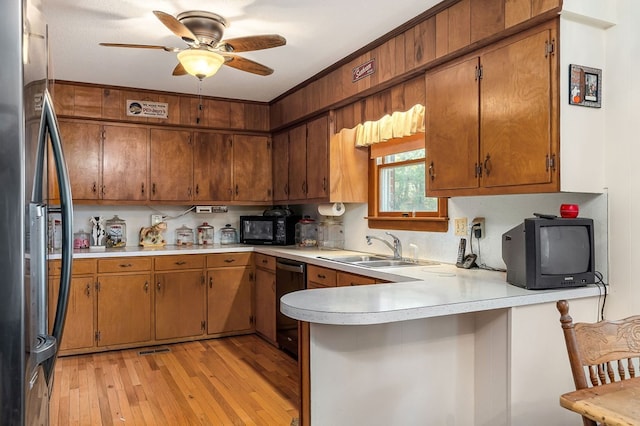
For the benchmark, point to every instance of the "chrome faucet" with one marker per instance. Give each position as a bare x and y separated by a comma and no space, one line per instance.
396,247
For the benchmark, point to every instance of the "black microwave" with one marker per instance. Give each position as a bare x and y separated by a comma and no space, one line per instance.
273,230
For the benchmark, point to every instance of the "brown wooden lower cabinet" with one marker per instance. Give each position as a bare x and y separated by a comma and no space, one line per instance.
79,329
265,297
179,290
124,309
230,293
122,302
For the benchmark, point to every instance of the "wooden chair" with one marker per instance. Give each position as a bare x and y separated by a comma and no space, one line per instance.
601,352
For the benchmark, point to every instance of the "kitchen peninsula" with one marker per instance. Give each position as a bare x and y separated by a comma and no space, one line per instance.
434,345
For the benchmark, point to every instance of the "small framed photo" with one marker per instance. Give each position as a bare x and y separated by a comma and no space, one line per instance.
585,86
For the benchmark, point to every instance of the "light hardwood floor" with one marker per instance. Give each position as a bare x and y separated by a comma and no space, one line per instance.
229,381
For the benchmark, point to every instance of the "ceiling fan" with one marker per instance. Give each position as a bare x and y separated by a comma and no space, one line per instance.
207,51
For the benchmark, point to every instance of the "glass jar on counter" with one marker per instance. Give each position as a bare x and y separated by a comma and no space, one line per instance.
228,235
205,234
81,239
116,232
331,234
184,236
306,232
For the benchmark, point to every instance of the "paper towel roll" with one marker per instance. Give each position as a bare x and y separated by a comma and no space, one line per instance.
335,209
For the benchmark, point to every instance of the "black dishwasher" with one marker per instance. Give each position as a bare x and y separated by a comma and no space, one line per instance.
290,276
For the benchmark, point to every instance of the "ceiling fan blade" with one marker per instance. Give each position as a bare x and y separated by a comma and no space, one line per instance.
177,27
244,64
249,43
179,70
141,46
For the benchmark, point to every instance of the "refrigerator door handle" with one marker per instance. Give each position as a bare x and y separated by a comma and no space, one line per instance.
49,126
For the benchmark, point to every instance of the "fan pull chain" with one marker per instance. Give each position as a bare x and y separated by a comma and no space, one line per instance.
199,101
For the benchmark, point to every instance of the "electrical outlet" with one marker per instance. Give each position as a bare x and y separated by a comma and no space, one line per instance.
460,227
156,218
477,227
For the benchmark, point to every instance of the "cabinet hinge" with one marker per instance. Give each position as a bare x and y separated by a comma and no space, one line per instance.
550,162
549,47
97,336
97,285
478,72
478,170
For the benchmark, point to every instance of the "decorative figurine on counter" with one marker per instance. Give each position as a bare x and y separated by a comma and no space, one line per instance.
97,231
151,236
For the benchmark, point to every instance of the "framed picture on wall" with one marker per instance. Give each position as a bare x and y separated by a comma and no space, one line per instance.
585,86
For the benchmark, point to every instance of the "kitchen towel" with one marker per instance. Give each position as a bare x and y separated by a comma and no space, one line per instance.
335,209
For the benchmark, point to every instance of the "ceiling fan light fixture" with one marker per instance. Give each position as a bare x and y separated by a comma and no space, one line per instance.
200,63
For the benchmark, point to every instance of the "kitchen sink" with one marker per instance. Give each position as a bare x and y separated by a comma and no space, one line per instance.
356,258
373,261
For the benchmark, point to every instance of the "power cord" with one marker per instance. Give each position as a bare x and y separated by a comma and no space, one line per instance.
475,232
603,292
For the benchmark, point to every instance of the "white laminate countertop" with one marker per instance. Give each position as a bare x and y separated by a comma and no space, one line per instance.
415,291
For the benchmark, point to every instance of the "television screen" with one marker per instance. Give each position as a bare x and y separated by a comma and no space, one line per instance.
564,250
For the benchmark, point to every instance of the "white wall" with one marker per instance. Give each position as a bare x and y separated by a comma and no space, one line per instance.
137,217
501,213
621,99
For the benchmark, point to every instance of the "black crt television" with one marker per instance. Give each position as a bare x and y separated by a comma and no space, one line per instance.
548,253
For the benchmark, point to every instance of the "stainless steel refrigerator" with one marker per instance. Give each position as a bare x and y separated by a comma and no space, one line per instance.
29,145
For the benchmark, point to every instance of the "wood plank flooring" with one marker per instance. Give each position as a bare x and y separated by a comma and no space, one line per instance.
229,381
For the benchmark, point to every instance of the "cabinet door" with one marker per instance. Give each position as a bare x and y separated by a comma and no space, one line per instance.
125,164
212,157
266,304
515,131
83,153
281,167
124,309
252,168
179,304
318,158
79,332
171,165
452,118
229,297
298,163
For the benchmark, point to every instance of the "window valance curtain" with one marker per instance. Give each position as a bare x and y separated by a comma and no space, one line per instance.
397,125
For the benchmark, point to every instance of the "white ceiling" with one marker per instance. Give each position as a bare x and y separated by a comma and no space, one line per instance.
318,33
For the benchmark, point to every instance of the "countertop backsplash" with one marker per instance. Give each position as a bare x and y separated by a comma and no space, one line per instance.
137,217
501,213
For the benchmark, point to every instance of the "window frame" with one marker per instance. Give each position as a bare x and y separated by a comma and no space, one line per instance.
437,221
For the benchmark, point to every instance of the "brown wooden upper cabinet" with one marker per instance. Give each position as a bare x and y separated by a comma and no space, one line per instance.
251,168
212,166
105,162
491,122
171,165
301,162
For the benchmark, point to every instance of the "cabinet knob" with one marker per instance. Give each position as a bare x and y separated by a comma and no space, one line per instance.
210,282
197,189
94,188
158,285
146,286
322,276
125,265
229,260
180,262
236,190
88,290
432,171
153,188
142,188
